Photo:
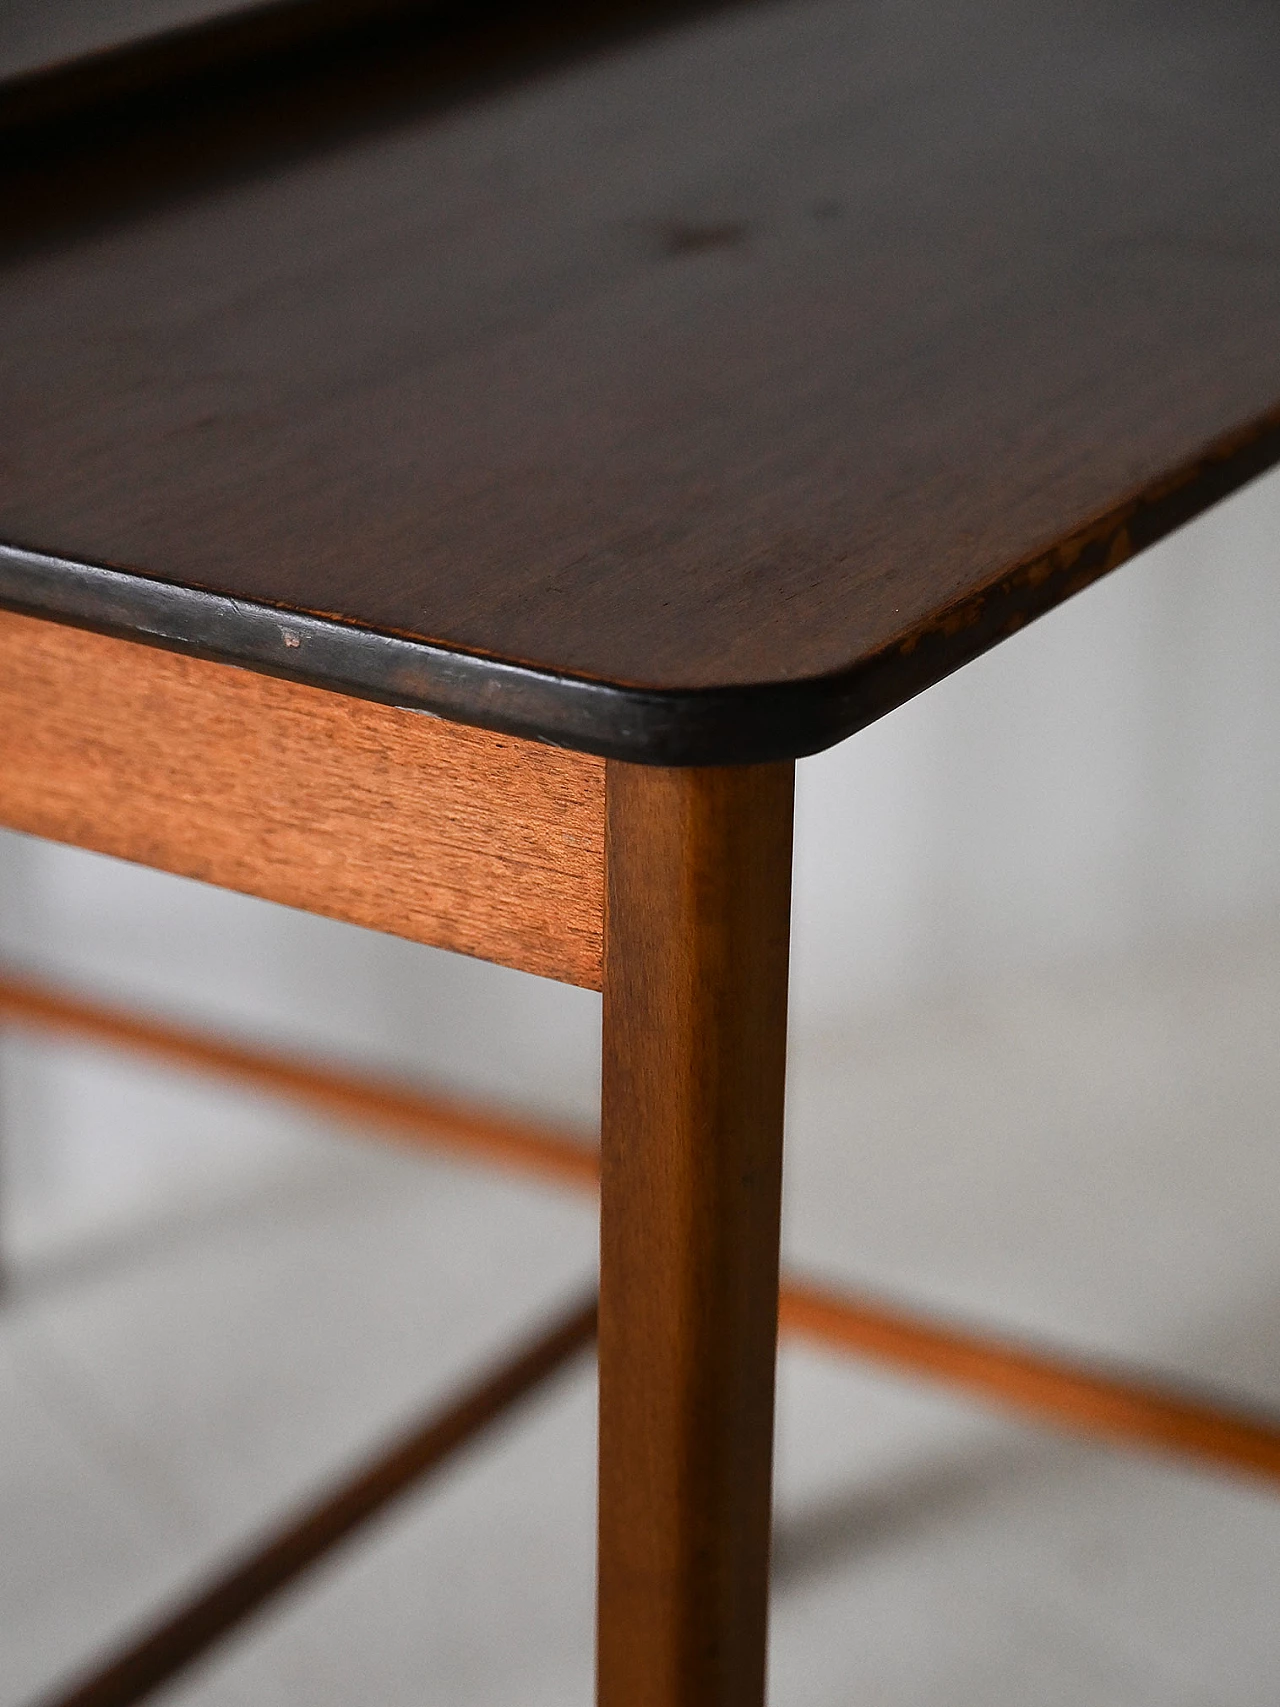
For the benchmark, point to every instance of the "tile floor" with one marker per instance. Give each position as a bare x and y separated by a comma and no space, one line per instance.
1088,1156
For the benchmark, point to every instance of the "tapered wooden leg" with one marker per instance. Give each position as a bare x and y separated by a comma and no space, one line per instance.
696,942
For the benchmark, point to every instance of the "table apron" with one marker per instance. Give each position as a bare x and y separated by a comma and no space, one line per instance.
376,815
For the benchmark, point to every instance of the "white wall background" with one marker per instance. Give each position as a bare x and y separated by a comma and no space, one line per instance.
1109,776
1104,783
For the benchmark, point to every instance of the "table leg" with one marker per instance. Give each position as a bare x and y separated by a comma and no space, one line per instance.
696,944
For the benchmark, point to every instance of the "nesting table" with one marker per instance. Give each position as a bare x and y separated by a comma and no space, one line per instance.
455,464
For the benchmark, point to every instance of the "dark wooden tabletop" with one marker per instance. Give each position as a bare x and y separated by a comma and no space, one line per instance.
685,386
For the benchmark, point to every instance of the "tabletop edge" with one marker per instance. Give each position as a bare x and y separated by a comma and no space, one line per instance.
750,723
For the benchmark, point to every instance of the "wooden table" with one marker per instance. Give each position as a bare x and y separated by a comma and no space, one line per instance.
452,471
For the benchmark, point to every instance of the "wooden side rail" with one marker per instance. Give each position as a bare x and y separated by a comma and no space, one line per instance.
261,1573
411,1115
391,819
1030,1382
1117,1405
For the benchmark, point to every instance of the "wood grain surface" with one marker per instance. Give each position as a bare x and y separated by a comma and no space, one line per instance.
385,818
695,1021
799,345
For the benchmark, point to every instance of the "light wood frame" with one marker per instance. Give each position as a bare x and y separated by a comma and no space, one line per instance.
671,889
393,819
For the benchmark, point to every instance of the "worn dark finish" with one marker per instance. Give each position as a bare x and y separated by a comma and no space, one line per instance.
249,1582
698,868
732,384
